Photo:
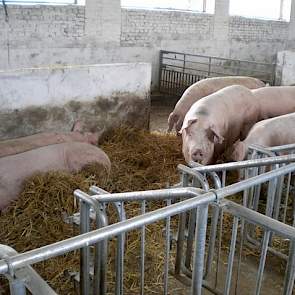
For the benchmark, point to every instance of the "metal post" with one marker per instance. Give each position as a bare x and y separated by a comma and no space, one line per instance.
17,287
264,249
199,255
167,251
290,271
231,256
181,230
209,66
142,252
84,252
160,70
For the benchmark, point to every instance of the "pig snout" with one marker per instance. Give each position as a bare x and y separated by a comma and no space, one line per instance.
197,155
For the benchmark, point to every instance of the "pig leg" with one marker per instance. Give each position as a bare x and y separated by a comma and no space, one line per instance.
171,121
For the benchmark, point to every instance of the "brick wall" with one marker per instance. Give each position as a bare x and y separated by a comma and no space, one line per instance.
148,27
247,29
41,23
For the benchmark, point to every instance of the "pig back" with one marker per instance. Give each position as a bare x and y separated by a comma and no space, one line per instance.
273,132
27,143
275,101
69,157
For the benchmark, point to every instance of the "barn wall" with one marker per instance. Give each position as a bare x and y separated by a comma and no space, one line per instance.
53,99
103,32
286,68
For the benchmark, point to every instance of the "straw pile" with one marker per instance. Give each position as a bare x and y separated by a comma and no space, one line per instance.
140,161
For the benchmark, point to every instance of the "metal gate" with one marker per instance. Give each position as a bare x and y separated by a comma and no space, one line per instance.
180,70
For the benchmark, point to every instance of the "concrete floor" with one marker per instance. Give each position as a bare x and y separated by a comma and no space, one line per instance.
273,275
160,109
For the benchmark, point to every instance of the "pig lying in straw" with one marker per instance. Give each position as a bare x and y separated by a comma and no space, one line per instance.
204,88
27,143
271,132
215,122
70,156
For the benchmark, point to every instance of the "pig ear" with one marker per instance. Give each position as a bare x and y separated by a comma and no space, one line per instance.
187,124
215,135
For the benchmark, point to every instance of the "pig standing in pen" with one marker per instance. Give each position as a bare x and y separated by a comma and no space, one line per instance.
215,122
204,88
271,132
70,156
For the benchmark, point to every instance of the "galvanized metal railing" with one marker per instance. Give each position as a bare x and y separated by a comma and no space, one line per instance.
251,194
179,70
193,199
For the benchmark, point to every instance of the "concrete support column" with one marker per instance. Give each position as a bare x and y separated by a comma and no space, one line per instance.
221,20
103,20
292,22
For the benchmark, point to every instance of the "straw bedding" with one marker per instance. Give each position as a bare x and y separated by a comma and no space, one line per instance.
140,161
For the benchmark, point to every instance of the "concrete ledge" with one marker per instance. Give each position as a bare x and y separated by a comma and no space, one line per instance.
53,98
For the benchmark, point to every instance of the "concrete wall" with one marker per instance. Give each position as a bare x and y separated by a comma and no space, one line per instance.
103,32
286,68
52,99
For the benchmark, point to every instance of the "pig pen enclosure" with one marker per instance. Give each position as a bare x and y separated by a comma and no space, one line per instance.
158,257
153,225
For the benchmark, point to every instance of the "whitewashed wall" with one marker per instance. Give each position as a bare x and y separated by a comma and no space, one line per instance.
286,68
53,98
103,32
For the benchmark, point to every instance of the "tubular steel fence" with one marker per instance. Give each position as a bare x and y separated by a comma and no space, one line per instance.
207,253
178,70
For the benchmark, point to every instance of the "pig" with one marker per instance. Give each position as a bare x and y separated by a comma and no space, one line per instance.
271,132
275,101
69,156
27,143
204,88
216,122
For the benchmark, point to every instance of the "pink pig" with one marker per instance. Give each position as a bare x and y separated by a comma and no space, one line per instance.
271,132
204,88
70,156
27,143
216,122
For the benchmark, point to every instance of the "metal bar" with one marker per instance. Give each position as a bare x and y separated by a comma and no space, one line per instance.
199,253
281,148
87,239
264,248
151,195
167,251
191,231
25,277
219,246
160,69
216,57
85,251
120,259
101,248
290,271
259,219
242,164
95,236
231,256
142,251
212,240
